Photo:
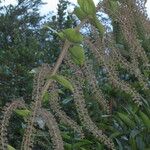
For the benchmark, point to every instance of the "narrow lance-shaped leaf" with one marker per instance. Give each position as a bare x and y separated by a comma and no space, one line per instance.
68,146
133,144
126,120
113,6
77,54
145,119
63,81
98,25
60,34
82,143
99,146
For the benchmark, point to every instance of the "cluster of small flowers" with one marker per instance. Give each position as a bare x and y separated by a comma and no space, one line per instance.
90,75
56,108
85,118
53,129
77,79
4,122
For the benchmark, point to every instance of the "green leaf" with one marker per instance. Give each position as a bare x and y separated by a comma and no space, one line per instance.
61,35
65,136
73,35
68,146
145,119
115,134
79,13
23,113
126,120
119,144
98,25
99,146
9,147
82,143
88,7
63,81
133,144
46,97
113,6
77,54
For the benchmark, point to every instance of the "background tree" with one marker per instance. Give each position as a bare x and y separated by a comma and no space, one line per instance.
19,48
25,44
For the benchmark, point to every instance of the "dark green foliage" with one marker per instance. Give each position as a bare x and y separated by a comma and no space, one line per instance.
24,45
19,48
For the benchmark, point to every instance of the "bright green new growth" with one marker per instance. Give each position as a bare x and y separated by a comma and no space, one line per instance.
10,147
95,22
46,97
63,81
79,13
23,113
87,10
73,35
87,6
77,54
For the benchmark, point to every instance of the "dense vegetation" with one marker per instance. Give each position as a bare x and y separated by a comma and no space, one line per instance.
75,81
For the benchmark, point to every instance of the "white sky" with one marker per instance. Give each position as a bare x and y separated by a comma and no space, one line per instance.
52,5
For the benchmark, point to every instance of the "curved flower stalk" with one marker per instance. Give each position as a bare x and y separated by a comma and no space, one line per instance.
56,108
113,74
79,100
128,66
4,122
128,29
53,129
124,86
39,82
128,23
85,118
91,78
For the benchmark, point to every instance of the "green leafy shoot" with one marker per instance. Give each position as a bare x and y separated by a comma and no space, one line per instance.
79,13
46,97
77,54
63,81
72,35
23,112
9,147
88,7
